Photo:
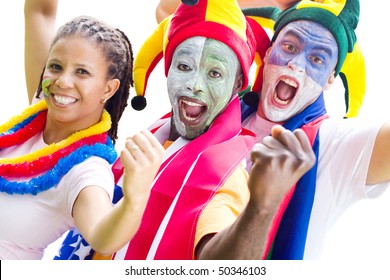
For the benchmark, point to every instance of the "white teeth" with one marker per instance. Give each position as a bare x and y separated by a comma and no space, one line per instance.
189,103
290,82
64,100
279,101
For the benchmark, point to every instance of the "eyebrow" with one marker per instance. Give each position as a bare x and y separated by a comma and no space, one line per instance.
183,51
301,40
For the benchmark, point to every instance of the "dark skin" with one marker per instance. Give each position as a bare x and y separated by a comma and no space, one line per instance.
285,152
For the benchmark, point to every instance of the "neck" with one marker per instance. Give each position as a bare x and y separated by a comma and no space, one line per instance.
55,132
173,134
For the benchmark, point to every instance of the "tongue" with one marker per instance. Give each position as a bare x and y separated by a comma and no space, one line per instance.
285,91
192,111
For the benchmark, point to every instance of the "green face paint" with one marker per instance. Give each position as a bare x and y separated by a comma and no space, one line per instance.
45,86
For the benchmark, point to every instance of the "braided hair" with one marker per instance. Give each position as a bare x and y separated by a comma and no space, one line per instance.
118,53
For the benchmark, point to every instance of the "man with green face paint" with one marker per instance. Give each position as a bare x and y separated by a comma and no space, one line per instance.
202,72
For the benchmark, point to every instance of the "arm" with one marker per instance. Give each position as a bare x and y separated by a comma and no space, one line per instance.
39,20
165,8
379,169
277,164
107,228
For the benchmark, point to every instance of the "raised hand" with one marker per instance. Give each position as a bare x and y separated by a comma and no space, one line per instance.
278,163
141,159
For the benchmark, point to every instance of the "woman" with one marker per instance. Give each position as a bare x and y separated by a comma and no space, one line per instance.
55,157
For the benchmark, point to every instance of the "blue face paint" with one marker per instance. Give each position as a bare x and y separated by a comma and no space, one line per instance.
306,46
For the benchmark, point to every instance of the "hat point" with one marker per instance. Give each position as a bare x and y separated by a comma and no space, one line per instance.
190,2
138,102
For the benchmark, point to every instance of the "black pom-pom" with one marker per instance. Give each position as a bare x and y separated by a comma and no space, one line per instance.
138,103
190,2
251,99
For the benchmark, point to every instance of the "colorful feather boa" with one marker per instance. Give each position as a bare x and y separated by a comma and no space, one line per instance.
45,167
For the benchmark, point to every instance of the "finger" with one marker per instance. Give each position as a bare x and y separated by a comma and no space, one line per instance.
260,151
277,130
303,139
152,140
152,150
306,145
289,140
127,159
133,148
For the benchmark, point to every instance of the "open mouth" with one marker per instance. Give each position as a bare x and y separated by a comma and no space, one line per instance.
285,91
191,110
64,100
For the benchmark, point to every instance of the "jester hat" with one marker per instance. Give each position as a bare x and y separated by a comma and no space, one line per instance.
214,19
340,17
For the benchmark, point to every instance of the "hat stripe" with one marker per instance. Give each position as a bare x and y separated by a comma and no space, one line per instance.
333,6
234,19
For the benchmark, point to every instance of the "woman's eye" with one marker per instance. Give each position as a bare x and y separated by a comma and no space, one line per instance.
82,71
55,67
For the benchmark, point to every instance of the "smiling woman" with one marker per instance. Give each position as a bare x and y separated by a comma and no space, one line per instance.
56,156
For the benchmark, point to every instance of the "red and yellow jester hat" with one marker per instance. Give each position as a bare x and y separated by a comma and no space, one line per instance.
221,20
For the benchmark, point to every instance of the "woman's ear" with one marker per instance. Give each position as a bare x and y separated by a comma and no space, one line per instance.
111,87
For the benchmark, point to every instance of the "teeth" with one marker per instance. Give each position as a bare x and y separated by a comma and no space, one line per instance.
188,117
279,101
64,100
289,82
189,103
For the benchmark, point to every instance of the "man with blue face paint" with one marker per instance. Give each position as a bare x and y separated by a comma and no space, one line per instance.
313,43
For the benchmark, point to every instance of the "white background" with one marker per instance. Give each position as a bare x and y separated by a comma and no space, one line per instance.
362,232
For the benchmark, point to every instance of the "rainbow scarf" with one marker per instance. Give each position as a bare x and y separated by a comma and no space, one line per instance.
43,169
287,237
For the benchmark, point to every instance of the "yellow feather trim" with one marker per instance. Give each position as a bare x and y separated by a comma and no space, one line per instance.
101,127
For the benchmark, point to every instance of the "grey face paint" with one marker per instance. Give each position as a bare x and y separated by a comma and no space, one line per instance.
201,80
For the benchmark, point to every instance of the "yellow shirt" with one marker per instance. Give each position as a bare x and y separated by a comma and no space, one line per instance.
225,206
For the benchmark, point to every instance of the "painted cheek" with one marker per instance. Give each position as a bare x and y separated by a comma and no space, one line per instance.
277,57
318,74
45,85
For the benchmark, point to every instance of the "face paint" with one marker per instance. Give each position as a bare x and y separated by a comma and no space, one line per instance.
297,68
45,85
201,81
291,95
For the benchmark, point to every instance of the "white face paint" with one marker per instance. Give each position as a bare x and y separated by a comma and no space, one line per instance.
280,103
202,78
